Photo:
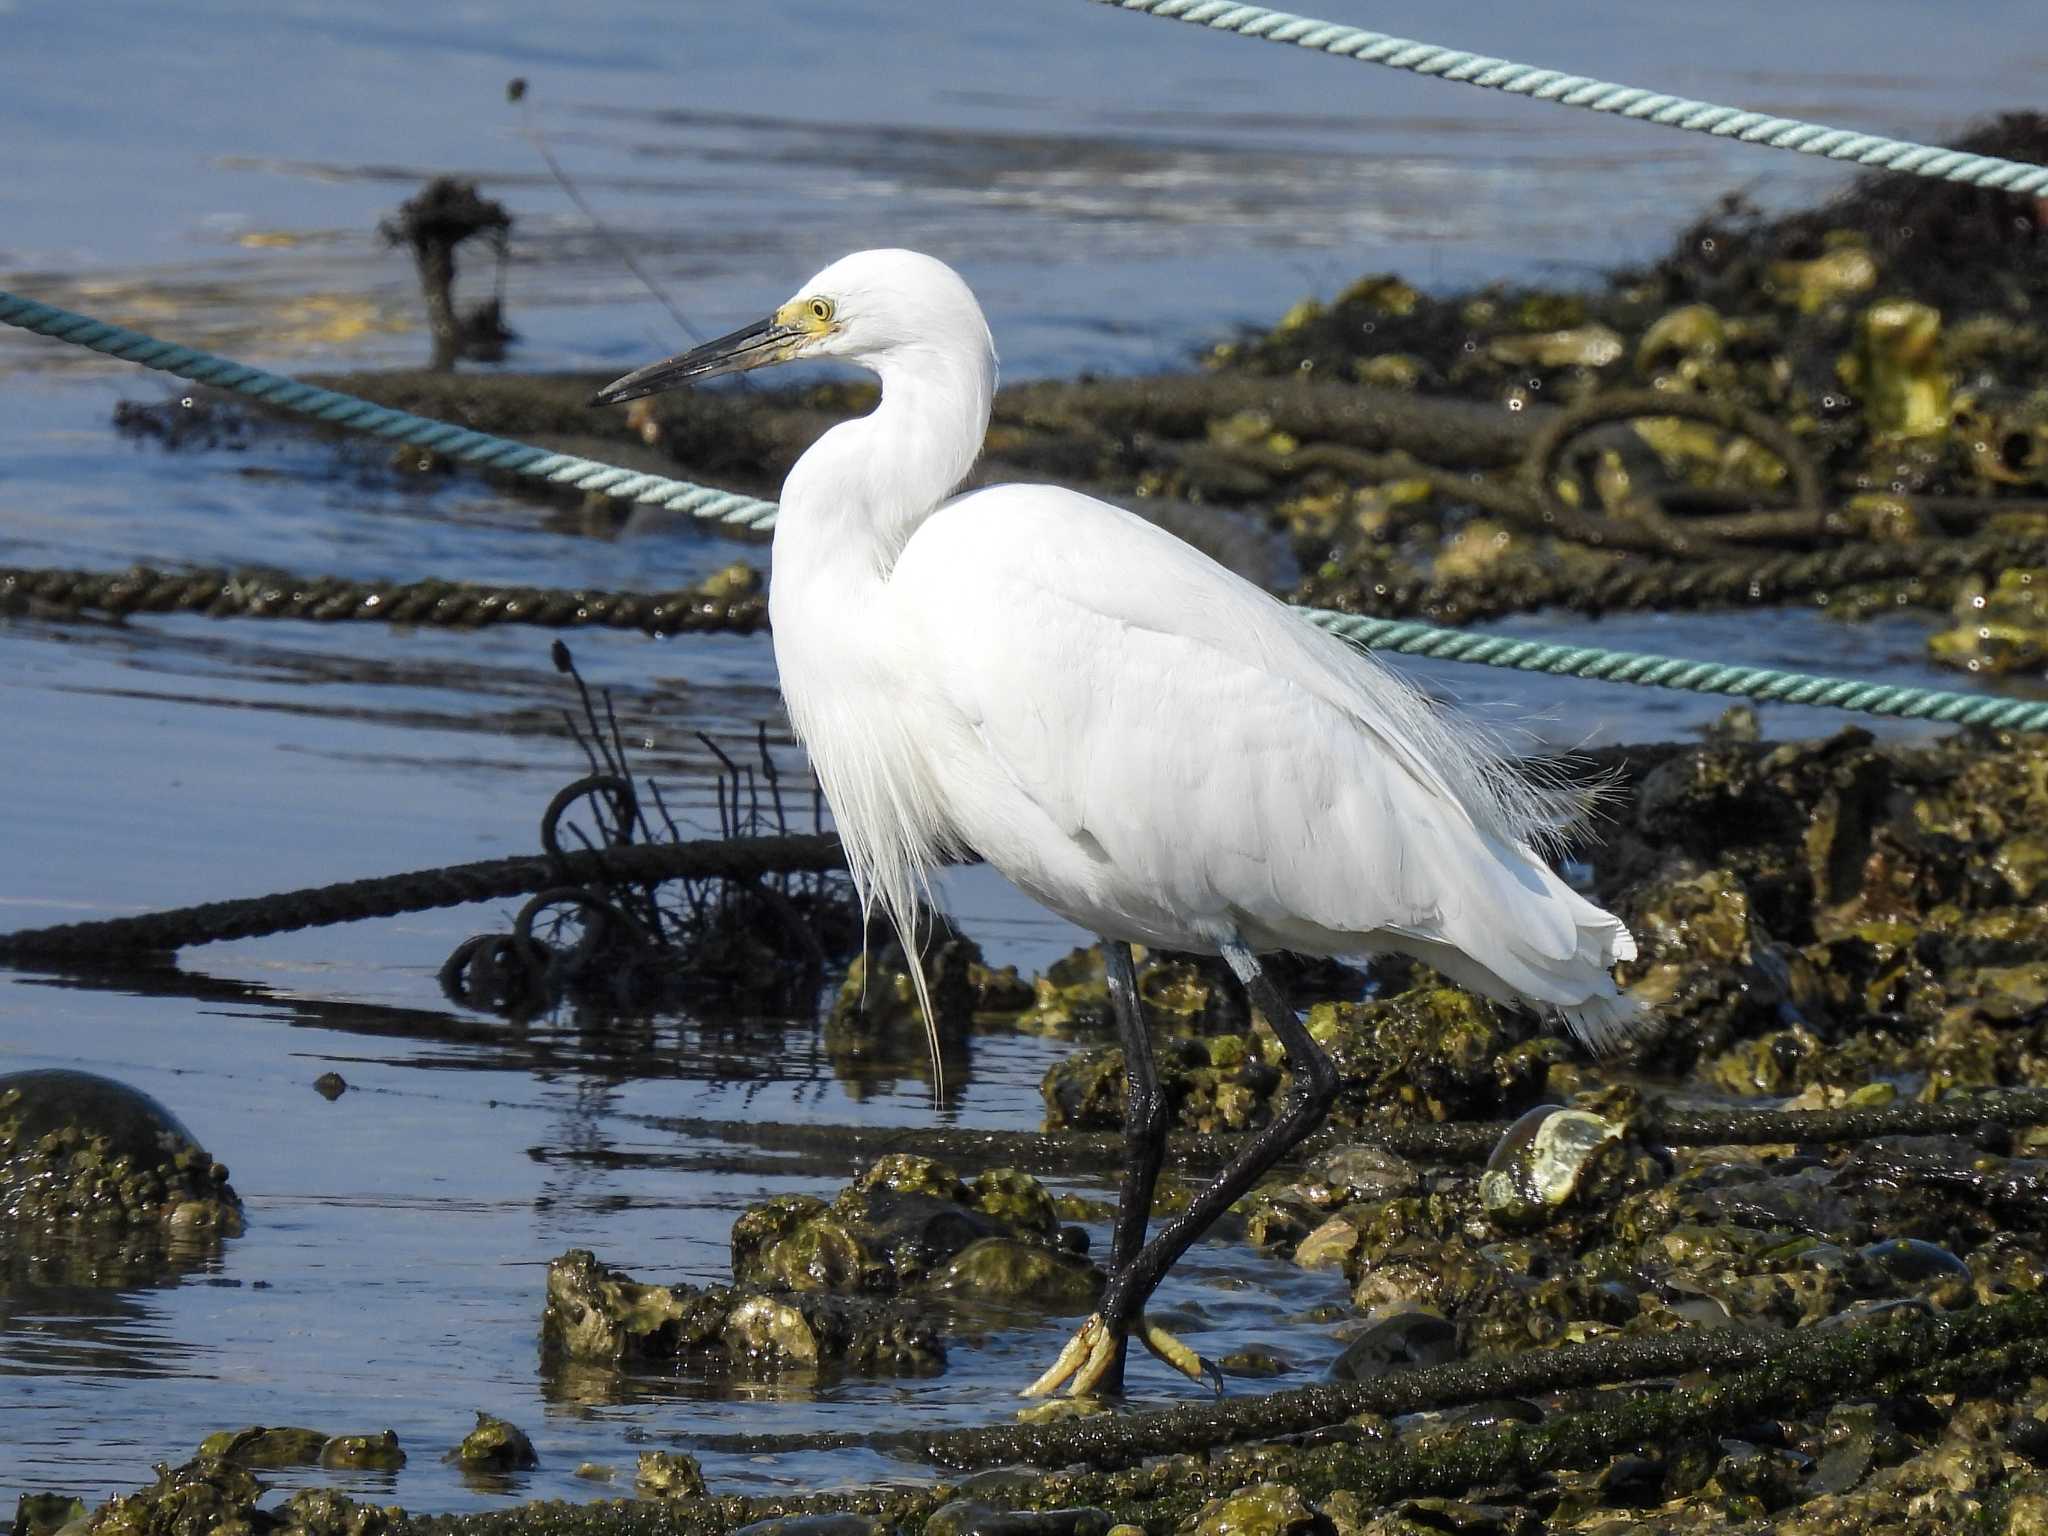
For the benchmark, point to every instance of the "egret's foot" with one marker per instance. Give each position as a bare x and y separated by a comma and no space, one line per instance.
1056,1410
1166,1347
1092,1356
1089,1356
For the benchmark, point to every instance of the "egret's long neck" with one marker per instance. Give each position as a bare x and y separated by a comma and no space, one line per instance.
857,496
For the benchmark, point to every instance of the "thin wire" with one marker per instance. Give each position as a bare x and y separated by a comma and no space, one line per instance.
1404,637
1626,101
530,129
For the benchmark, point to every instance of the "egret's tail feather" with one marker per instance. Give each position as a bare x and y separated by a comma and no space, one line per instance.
1521,935
1608,1023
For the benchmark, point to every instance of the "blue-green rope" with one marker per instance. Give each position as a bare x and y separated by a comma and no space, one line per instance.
1405,637
357,414
1866,149
1401,636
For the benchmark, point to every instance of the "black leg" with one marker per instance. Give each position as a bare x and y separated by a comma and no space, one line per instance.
1309,1096
1145,1108
1145,1126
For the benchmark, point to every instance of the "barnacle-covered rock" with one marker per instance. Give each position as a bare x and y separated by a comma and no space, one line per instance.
1009,1270
201,1495
376,1453
100,1184
1583,346
1844,270
1176,995
266,1446
1264,1509
899,1224
495,1445
1430,1053
668,1475
1898,368
604,1316
2000,628
972,1517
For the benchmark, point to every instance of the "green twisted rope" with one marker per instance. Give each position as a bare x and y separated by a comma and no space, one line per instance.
1625,101
1404,637
1407,638
360,415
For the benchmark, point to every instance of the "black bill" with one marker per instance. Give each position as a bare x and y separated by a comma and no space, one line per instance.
765,341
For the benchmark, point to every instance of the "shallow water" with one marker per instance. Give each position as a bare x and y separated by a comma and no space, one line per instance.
1117,212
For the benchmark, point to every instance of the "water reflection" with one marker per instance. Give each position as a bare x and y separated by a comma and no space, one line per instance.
84,1308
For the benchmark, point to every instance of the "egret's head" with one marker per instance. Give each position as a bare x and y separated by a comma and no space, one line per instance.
866,308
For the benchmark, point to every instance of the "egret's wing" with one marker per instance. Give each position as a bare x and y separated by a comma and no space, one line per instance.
1215,747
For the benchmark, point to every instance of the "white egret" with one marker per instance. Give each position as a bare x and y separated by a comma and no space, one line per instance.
1142,741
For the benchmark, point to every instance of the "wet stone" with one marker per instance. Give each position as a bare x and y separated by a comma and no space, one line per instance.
969,1517
377,1453
44,1514
1264,1509
907,1221
604,1316
266,1446
1003,1269
1398,1338
495,1445
1354,1171
1254,1363
668,1475
1913,1260
815,1525
1546,1160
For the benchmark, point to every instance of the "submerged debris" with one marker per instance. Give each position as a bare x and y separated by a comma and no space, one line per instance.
437,219
618,948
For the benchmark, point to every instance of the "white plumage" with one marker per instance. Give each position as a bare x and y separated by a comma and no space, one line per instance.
1136,737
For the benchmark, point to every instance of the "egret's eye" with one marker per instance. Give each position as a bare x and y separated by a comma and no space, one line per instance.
821,310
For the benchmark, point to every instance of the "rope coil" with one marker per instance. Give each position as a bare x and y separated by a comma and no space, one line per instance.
1627,101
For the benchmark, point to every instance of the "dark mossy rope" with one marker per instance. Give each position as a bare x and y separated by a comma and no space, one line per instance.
1430,1141
1632,584
1405,637
1195,1427
1986,1349
422,890
260,594
1650,584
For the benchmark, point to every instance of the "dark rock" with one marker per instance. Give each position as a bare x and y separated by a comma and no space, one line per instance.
1401,1339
